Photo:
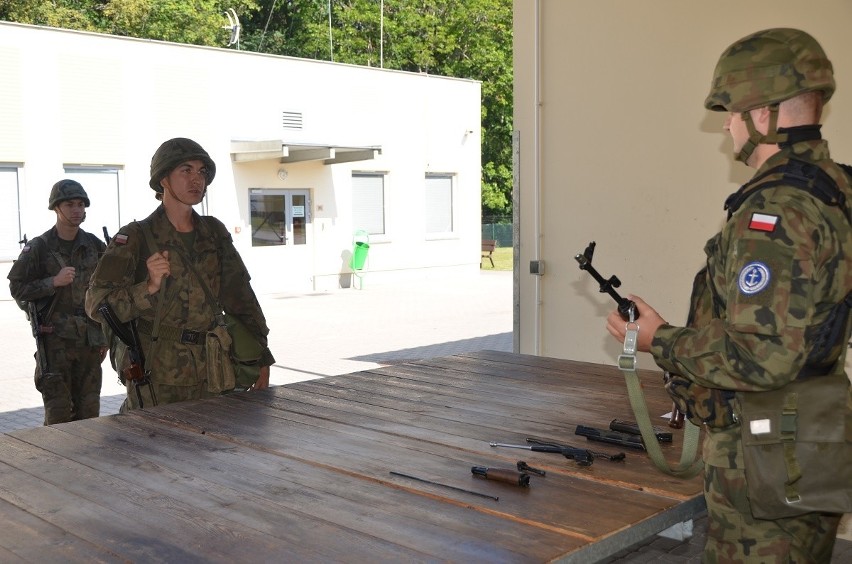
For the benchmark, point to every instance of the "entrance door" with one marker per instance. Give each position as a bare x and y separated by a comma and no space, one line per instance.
279,217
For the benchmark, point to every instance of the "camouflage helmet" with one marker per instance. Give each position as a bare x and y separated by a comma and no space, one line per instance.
174,152
67,190
769,67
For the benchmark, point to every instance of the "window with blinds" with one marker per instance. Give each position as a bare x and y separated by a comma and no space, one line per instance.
439,203
368,202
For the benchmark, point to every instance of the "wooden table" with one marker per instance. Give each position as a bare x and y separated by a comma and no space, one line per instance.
303,472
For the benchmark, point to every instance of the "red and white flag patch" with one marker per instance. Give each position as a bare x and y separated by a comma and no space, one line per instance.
120,239
763,222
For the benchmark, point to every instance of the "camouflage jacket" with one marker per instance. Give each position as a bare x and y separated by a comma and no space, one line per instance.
31,279
121,280
774,273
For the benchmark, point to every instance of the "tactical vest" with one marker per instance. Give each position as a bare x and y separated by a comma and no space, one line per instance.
832,335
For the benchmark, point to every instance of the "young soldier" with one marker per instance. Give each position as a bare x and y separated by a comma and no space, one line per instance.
53,272
771,308
155,272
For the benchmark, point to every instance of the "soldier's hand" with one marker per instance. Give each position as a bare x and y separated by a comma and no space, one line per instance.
649,321
64,277
262,380
158,268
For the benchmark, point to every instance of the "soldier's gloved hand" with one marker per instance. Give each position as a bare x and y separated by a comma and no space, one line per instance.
64,277
649,321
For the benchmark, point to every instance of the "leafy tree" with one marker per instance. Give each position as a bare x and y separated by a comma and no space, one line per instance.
458,38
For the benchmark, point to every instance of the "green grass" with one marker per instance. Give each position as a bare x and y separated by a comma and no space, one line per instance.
502,257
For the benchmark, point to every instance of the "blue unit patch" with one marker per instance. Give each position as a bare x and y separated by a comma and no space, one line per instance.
754,278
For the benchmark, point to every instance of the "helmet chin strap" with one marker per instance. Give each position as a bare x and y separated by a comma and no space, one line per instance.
755,137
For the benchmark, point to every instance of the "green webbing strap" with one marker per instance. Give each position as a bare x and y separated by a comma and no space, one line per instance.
164,286
788,438
689,465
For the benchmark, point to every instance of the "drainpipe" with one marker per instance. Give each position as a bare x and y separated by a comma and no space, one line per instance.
537,182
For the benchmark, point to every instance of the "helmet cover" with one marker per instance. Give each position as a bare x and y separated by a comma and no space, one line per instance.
768,67
174,152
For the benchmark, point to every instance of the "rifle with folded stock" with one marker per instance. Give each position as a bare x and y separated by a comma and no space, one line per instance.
129,335
626,308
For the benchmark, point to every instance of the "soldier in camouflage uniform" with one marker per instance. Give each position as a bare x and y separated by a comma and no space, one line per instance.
53,271
775,275
142,283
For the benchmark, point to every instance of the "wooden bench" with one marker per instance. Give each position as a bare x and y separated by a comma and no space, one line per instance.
488,246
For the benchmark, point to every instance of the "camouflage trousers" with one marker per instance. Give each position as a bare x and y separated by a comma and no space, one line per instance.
72,389
152,394
735,537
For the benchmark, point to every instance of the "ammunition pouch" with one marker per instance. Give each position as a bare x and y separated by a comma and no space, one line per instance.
700,405
797,444
220,369
246,353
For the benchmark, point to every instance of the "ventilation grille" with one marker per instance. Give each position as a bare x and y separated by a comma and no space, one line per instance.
292,120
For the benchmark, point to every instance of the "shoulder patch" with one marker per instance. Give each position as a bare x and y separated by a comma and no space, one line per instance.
26,249
754,278
120,239
763,222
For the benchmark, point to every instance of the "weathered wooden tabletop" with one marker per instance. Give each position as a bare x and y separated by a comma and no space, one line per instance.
303,472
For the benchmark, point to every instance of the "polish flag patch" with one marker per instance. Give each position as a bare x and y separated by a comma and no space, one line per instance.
763,222
120,239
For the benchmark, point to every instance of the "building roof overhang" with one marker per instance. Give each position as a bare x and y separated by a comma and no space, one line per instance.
283,152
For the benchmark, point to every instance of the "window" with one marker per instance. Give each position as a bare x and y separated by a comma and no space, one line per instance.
101,185
439,203
10,221
279,217
368,202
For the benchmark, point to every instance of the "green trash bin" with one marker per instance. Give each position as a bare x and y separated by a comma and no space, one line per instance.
359,255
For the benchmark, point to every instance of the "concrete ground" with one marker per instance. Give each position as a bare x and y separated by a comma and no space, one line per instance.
344,331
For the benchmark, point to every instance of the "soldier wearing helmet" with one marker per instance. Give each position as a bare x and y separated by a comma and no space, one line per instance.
168,274
53,271
771,310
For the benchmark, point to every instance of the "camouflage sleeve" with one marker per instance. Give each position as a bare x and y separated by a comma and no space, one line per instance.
236,294
773,274
115,279
28,281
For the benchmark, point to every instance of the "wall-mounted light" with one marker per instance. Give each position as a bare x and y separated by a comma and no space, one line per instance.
282,173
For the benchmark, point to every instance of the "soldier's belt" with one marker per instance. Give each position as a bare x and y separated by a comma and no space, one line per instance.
183,336
69,310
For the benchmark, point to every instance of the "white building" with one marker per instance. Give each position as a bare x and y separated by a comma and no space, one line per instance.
311,156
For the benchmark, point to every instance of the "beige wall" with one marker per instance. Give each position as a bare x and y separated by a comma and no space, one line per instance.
614,145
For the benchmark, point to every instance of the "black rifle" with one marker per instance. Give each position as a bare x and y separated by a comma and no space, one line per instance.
106,235
606,285
39,331
129,335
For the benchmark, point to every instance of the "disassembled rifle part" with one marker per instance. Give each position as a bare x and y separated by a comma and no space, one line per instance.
524,467
606,285
401,475
582,456
633,429
502,475
612,437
